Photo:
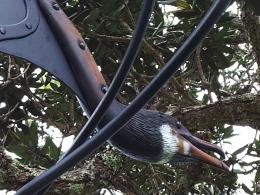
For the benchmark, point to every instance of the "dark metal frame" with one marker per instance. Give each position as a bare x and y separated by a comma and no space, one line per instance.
117,82
88,81
23,28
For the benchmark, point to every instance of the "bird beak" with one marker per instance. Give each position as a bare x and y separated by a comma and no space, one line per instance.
199,143
190,147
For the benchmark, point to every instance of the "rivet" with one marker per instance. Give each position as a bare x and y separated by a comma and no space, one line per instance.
178,124
55,6
2,31
104,88
82,45
28,25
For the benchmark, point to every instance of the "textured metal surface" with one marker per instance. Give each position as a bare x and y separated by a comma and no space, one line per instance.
40,48
17,18
82,63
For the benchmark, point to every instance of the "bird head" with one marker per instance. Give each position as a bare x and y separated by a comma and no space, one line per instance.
190,149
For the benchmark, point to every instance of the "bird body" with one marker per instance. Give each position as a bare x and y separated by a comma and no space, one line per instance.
147,137
154,137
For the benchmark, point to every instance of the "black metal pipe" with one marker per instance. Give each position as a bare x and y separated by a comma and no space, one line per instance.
114,126
120,76
118,80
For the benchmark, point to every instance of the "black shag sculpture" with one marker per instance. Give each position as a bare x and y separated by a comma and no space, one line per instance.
141,134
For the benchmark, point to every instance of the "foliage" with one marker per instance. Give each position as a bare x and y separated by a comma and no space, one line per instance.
33,103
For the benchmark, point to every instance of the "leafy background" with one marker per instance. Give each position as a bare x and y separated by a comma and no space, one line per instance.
217,88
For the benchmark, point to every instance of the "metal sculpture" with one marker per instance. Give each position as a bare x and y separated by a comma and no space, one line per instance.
62,51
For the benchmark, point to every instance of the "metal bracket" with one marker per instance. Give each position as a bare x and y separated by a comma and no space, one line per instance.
23,28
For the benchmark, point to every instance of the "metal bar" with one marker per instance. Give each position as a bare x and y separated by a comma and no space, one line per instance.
113,126
82,63
118,80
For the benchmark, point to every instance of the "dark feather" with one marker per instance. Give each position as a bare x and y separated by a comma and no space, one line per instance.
140,138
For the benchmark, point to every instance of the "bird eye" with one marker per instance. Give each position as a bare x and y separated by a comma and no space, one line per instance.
178,124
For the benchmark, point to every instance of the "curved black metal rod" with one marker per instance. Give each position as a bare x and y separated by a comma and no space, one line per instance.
114,126
120,76
127,62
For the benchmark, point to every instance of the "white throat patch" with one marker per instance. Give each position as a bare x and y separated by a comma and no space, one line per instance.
170,143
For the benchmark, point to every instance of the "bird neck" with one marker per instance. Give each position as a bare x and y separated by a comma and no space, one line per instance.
169,142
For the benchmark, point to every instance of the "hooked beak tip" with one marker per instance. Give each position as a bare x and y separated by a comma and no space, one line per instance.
187,148
225,167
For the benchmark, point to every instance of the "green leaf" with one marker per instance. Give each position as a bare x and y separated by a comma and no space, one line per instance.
54,86
50,149
93,16
257,175
228,132
21,151
257,145
246,189
182,4
240,150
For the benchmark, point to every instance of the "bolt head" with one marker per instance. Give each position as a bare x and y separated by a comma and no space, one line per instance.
28,26
82,45
104,88
2,31
178,124
55,6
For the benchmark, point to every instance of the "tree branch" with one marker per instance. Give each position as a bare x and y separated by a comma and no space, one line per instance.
87,177
237,110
